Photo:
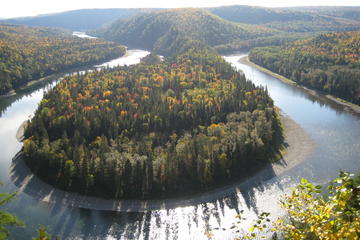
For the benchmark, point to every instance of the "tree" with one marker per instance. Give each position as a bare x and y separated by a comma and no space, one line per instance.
7,219
43,235
311,215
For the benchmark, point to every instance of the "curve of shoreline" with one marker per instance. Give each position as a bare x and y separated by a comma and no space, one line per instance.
299,147
355,108
57,75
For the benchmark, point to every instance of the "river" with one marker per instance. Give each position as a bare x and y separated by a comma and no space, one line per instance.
335,131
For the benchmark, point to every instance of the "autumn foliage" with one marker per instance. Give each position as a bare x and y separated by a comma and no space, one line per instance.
29,53
329,62
149,130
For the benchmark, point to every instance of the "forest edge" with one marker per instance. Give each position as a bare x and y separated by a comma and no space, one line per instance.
299,147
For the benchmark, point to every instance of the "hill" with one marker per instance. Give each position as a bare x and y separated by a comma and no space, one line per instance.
329,62
77,20
352,13
298,19
29,53
258,15
168,31
309,19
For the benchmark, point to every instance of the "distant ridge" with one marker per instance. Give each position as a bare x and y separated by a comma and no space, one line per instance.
90,19
80,20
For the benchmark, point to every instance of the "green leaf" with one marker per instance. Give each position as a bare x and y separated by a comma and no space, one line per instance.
304,181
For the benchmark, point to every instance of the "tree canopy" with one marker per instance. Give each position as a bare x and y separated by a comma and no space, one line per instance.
329,62
7,219
29,53
168,32
188,122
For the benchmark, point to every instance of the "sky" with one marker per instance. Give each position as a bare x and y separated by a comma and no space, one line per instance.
17,8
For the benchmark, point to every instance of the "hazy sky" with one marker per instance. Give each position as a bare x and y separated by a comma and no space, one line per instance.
16,8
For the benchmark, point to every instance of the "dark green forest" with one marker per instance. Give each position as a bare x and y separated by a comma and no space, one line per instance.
294,20
172,31
29,53
329,62
189,122
225,29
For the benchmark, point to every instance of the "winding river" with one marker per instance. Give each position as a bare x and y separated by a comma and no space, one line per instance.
334,130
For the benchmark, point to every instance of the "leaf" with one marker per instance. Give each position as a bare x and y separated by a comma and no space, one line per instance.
304,181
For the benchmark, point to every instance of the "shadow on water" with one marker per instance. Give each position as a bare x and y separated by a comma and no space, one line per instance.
91,224
27,182
68,221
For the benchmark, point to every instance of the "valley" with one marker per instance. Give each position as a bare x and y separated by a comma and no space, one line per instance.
133,145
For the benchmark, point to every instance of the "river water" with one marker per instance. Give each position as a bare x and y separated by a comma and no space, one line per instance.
335,131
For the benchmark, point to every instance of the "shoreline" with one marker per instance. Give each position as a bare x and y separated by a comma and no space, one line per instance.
300,146
245,60
55,76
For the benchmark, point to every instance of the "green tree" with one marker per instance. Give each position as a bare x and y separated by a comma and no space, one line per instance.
7,219
43,235
313,215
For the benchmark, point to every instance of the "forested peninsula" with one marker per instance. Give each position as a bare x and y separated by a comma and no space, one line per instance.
329,63
189,122
29,53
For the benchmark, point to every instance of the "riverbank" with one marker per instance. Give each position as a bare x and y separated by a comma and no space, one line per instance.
299,147
54,76
245,60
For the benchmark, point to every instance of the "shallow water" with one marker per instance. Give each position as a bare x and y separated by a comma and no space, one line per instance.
335,131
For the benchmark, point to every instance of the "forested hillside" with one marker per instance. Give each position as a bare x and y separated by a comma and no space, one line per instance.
187,123
352,13
329,62
77,20
311,19
28,53
258,15
303,19
171,31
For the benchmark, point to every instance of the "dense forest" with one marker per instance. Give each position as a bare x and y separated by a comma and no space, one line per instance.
303,19
311,20
169,32
345,12
329,62
188,122
29,53
259,15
